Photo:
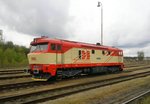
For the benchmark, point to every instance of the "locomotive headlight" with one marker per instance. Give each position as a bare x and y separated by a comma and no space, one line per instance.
36,69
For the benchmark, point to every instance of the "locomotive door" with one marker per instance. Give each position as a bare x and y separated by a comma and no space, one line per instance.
58,54
119,57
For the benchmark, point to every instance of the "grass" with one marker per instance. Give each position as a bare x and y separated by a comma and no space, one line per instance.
145,100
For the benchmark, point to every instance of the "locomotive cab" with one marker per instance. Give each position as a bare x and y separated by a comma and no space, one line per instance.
41,60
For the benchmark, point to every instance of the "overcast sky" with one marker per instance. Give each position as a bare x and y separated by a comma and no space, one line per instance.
126,22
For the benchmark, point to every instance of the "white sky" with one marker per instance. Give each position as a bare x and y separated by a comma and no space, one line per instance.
126,22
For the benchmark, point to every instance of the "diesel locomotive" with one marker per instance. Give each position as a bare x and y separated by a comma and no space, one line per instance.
56,58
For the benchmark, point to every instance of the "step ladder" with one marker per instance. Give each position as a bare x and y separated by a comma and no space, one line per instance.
59,75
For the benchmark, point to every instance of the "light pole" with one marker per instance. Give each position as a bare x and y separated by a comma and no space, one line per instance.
100,5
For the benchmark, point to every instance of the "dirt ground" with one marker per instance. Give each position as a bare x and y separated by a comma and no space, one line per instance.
107,95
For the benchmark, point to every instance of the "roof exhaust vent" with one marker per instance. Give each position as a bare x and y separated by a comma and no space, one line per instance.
44,36
99,44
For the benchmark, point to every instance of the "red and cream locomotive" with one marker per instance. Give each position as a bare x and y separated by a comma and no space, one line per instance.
49,58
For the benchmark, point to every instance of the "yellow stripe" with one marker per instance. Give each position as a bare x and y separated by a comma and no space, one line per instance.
37,79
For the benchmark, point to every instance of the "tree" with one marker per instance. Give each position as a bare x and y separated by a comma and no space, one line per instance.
1,57
6,63
12,55
140,55
9,44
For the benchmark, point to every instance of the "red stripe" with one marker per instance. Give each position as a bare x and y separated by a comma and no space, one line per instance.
87,65
52,68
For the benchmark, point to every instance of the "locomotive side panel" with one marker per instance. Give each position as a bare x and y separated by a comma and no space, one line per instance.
42,58
80,56
77,56
67,56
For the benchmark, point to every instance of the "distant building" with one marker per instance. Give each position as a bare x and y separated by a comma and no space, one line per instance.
146,58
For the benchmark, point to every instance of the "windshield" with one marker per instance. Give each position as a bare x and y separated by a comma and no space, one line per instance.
39,47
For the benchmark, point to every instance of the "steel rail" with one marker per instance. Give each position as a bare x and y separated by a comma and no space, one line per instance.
136,97
13,70
130,66
23,85
7,73
12,77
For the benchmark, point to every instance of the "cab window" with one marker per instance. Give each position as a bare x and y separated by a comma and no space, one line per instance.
39,47
103,52
93,51
53,46
58,47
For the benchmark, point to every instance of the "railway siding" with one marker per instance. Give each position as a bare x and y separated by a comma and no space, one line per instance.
30,83
69,89
138,98
26,87
4,77
112,94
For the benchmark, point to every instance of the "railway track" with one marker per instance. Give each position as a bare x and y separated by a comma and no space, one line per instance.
7,74
136,68
8,87
11,70
24,85
50,94
14,76
135,99
136,65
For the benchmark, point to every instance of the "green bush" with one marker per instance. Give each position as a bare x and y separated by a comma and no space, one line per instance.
13,55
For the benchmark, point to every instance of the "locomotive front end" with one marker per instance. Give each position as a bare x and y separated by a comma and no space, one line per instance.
40,60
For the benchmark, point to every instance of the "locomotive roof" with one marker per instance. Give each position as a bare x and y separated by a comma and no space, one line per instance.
73,43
